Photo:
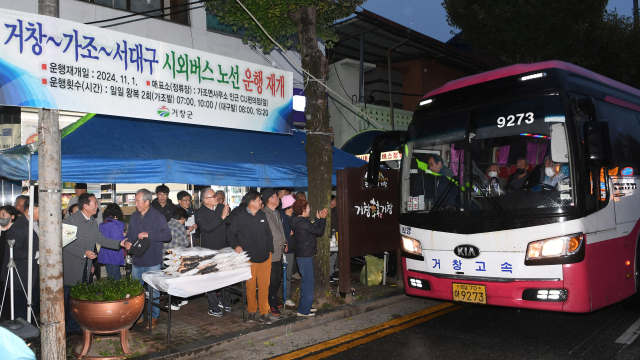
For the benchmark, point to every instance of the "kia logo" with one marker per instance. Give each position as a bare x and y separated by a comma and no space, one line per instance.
466,251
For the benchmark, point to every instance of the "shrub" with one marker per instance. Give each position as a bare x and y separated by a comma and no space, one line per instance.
106,290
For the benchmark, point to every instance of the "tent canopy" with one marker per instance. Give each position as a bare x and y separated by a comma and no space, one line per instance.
110,149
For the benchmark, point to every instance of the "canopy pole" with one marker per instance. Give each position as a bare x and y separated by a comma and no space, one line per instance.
30,257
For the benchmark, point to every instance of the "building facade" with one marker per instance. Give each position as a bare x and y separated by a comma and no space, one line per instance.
419,64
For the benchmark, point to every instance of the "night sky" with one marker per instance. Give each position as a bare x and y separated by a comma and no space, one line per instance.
429,18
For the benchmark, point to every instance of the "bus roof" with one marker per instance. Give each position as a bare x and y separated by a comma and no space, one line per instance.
526,68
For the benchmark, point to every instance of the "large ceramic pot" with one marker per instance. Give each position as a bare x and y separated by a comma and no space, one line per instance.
107,316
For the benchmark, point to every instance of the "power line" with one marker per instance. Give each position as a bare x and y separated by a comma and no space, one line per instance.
336,70
144,12
301,68
151,17
355,113
345,119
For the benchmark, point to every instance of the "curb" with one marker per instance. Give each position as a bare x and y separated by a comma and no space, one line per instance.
200,348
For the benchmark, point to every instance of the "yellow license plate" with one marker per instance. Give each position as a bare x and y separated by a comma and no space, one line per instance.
471,293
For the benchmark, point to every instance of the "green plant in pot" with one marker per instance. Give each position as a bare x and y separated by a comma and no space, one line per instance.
107,290
106,306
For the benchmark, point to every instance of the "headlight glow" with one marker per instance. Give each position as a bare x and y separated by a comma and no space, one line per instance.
411,245
555,247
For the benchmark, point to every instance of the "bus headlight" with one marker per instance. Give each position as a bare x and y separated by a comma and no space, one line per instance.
411,246
560,250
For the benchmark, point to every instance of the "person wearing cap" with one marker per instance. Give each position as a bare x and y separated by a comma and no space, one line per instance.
149,225
271,201
285,213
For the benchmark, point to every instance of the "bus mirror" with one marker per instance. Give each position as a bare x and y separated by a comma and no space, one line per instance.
379,142
587,106
596,138
559,150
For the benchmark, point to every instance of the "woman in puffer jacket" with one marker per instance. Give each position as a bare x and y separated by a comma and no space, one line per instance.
305,246
113,228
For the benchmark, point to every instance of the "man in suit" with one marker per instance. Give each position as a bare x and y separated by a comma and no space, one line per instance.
77,256
19,232
210,219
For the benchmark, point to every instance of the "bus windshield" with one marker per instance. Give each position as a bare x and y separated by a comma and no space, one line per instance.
490,161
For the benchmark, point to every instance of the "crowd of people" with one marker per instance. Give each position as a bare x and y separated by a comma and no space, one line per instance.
272,227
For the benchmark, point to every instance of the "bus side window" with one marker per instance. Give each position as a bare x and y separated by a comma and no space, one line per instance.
624,130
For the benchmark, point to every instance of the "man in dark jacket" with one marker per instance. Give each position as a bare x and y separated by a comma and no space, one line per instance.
519,178
148,223
19,231
250,232
210,220
444,176
162,203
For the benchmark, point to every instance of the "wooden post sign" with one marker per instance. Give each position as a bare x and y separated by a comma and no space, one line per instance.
369,217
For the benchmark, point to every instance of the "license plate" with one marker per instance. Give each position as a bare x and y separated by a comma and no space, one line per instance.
476,294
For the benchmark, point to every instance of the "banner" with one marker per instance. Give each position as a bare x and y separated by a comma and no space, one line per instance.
385,156
47,62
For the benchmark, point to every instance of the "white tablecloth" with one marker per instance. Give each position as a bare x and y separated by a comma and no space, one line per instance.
186,286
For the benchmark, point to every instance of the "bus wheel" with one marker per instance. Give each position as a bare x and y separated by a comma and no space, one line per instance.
633,302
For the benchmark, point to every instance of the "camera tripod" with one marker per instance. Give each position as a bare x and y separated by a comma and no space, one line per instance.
18,326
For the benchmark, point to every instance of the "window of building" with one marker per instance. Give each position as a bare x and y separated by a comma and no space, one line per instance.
172,10
214,24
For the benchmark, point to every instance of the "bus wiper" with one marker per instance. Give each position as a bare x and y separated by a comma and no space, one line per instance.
477,181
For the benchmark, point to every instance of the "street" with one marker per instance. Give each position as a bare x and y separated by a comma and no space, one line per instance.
427,329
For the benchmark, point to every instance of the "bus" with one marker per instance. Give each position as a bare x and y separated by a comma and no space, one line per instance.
518,189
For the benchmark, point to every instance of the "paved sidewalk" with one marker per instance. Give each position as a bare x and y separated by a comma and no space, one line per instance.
194,333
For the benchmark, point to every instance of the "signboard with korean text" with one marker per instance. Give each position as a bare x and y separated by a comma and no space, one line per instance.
385,156
368,216
47,62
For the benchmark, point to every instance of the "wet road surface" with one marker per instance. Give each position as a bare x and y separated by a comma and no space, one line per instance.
483,332
428,329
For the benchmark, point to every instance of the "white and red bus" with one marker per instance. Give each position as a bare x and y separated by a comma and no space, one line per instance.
561,234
